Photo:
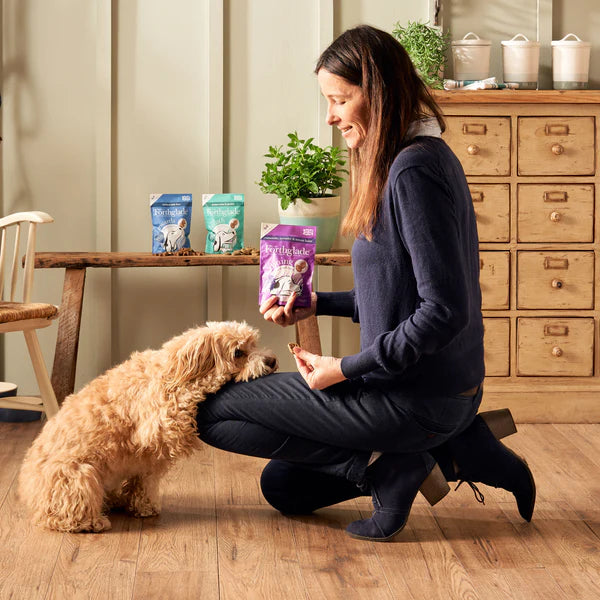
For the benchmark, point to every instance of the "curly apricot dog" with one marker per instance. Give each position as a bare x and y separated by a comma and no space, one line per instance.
111,442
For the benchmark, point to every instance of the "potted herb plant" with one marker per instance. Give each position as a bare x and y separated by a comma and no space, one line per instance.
303,176
427,47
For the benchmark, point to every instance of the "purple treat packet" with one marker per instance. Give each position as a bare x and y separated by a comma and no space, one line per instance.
287,261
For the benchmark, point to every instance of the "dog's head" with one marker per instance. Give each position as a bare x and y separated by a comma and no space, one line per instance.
218,352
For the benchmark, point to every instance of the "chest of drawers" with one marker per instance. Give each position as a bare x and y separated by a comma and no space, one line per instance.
532,160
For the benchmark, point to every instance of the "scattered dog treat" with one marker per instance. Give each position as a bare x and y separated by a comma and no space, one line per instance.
246,252
182,252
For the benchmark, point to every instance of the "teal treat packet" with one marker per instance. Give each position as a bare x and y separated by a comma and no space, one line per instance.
171,221
224,221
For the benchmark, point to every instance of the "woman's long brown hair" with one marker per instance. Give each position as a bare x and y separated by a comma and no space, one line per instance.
395,97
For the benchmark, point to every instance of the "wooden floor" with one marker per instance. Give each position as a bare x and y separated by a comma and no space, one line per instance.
218,539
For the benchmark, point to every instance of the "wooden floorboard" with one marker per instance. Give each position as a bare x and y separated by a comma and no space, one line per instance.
218,539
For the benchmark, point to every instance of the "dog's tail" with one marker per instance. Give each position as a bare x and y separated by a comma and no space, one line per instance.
61,496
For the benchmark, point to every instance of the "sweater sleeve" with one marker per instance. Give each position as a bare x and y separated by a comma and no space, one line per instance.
426,222
337,304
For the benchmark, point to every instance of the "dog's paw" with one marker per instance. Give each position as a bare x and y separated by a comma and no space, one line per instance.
146,511
100,524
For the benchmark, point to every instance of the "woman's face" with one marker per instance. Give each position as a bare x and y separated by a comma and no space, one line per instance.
346,107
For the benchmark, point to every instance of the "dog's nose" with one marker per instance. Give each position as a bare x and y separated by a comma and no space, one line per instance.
271,362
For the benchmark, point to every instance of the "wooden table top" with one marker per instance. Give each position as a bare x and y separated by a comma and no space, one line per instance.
82,260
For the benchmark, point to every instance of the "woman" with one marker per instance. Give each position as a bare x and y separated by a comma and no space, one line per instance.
376,422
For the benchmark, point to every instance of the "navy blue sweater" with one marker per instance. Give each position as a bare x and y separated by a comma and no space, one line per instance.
416,284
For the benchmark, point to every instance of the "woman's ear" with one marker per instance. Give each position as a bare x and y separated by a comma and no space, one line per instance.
189,356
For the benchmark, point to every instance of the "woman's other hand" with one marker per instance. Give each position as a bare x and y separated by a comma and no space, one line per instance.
287,315
319,372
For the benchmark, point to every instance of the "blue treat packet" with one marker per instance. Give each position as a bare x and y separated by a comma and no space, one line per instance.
224,221
171,221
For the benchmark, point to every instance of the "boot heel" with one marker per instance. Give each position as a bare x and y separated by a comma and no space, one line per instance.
435,486
500,422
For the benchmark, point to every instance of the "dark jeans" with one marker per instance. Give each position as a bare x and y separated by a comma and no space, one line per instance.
333,430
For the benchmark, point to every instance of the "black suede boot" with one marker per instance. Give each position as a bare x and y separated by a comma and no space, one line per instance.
476,456
296,490
394,480
500,422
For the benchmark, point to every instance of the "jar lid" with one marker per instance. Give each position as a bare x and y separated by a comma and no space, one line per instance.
576,42
476,41
6,387
523,43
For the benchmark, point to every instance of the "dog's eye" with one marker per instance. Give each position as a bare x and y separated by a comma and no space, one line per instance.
239,353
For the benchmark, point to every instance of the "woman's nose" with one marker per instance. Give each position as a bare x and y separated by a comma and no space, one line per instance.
331,117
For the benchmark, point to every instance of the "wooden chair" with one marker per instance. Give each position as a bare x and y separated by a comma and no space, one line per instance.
17,312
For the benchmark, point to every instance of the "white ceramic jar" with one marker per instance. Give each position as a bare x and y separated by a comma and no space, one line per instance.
570,63
521,61
471,57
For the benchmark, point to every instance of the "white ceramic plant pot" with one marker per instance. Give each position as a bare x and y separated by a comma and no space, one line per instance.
324,212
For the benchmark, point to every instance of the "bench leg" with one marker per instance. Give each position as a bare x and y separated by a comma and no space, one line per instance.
67,341
307,334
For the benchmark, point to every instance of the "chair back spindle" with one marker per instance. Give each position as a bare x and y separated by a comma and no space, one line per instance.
14,269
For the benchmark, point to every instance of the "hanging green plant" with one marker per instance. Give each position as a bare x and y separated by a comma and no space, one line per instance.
427,47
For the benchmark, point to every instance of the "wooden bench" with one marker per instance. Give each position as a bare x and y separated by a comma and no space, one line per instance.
75,265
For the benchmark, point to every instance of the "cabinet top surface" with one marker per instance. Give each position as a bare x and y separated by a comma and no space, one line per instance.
517,96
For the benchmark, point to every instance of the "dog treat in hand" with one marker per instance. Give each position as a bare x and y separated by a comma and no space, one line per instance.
287,259
293,345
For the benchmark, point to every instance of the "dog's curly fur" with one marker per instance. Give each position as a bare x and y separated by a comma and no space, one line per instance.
111,442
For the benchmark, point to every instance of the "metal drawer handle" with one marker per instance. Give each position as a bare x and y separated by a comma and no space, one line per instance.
556,263
555,196
557,284
473,149
477,196
474,128
557,149
556,351
555,217
556,129
556,330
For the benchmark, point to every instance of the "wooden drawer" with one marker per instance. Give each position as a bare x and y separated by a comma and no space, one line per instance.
554,212
494,279
496,343
555,347
555,279
492,209
482,144
555,146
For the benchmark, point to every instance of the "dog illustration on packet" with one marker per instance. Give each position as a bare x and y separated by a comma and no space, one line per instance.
171,219
224,220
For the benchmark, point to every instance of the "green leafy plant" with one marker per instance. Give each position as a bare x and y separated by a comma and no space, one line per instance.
302,169
427,47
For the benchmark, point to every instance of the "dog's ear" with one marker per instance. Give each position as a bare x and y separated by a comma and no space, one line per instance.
189,356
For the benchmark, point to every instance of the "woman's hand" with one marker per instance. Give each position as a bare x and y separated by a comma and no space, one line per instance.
319,372
287,315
